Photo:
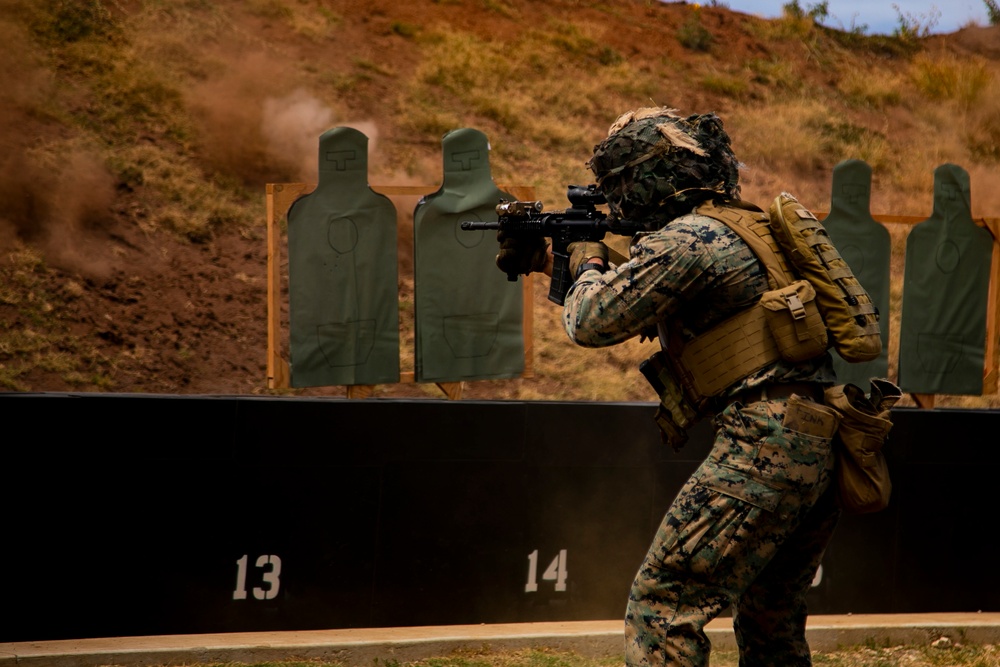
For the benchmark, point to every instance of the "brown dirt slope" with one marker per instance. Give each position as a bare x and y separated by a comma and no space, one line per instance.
132,237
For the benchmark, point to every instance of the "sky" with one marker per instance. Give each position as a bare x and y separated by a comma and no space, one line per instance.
880,16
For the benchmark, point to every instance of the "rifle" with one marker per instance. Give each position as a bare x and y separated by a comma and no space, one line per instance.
581,222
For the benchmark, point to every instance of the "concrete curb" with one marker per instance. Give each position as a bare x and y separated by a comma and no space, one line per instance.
364,647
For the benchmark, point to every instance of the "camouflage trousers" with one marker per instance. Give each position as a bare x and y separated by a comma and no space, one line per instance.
748,529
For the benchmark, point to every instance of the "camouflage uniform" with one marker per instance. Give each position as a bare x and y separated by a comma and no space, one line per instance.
749,527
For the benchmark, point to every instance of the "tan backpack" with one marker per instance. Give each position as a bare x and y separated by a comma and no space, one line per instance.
847,309
789,234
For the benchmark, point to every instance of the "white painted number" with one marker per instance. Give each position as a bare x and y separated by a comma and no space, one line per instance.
532,584
271,576
241,579
556,571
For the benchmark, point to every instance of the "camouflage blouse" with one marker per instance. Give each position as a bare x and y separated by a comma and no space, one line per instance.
696,269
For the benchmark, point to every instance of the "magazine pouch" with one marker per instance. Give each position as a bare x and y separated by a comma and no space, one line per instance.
675,413
795,322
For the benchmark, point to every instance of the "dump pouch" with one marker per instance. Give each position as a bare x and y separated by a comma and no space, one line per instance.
862,475
795,322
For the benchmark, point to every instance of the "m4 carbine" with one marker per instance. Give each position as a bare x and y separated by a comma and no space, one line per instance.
581,222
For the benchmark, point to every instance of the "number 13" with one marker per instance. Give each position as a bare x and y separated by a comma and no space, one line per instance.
271,577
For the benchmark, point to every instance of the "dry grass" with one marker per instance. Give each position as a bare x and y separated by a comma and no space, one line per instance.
878,90
38,342
947,77
607,374
463,76
896,656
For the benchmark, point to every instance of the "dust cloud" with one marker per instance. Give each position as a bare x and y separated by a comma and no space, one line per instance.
259,133
226,109
54,194
83,193
293,124
985,190
57,209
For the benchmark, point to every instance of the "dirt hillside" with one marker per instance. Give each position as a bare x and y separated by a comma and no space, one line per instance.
138,137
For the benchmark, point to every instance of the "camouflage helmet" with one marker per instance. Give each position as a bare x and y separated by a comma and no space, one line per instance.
656,165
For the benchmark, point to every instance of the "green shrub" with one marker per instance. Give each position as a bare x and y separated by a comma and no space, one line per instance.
983,139
992,11
775,73
840,140
911,27
692,34
796,20
404,29
729,86
68,21
948,77
815,13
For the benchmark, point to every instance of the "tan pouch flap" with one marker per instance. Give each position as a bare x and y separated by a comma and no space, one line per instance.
791,298
794,320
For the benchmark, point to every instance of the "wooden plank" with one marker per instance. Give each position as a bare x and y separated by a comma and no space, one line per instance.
285,195
273,290
988,223
528,325
277,367
453,390
279,198
991,374
360,390
900,219
897,219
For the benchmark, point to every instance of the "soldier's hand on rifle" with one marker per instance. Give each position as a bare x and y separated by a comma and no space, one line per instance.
587,254
523,254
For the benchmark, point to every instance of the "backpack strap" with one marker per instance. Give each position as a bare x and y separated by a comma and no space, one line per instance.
753,226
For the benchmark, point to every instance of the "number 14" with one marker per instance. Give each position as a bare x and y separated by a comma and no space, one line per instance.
556,571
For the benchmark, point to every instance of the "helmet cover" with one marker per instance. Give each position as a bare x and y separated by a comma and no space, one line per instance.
656,164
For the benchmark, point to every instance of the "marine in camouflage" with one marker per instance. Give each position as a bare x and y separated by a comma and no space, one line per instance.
749,528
